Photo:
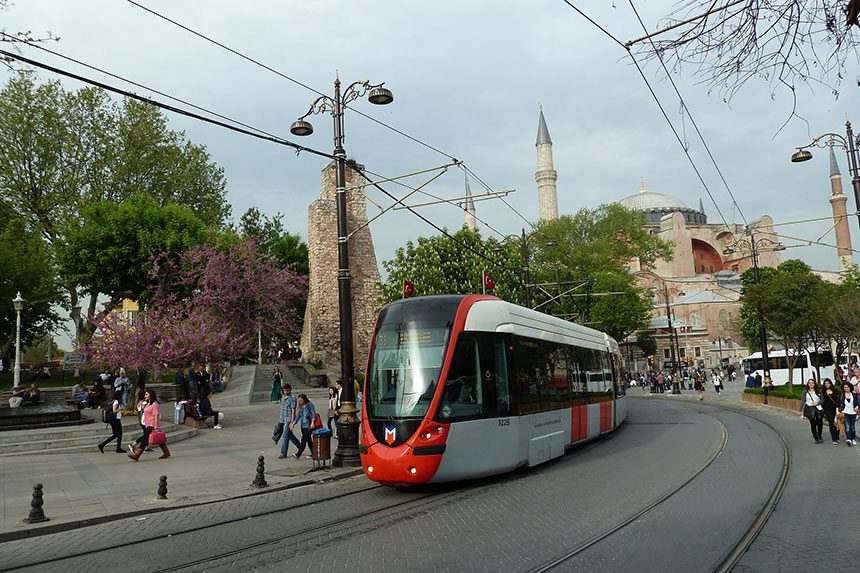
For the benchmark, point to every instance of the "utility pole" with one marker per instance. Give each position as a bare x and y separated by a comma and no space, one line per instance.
671,332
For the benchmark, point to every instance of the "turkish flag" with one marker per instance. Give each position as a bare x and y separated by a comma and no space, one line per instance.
408,289
489,283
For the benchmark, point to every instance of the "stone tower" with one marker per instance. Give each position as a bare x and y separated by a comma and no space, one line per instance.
320,334
840,215
545,176
471,222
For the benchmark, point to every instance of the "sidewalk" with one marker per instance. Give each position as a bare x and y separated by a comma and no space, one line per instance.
216,465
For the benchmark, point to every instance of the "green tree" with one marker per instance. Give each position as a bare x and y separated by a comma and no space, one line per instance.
442,265
623,309
110,251
63,150
270,237
29,268
41,348
788,300
646,343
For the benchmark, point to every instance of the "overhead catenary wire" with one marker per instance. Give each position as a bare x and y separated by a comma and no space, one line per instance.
255,133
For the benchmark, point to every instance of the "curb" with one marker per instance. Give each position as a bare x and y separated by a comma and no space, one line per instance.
75,524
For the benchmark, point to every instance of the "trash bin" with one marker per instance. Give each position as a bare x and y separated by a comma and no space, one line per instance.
321,447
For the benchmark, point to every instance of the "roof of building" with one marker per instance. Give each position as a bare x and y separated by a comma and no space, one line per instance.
834,166
647,201
543,132
703,297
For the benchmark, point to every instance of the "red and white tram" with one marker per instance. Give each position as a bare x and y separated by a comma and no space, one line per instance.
465,386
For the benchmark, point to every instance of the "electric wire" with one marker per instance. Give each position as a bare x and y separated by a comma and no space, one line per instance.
659,105
689,114
286,77
162,105
137,84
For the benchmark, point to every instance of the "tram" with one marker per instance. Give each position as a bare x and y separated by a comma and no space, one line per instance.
465,386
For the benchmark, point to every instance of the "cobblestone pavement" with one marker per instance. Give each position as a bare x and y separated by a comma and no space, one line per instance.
515,522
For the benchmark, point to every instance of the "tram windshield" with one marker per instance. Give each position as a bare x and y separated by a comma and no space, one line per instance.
407,354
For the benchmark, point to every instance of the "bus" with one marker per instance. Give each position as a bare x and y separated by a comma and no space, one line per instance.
804,365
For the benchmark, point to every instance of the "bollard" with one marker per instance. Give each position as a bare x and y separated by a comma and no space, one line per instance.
162,487
260,479
36,513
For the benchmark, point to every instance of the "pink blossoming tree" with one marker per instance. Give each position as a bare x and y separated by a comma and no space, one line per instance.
206,306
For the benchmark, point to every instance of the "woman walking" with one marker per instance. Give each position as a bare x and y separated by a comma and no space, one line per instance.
115,422
715,379
848,407
811,409
830,402
151,421
277,377
699,386
305,417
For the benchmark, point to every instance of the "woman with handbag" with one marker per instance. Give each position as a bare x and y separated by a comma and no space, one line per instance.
306,417
151,423
848,407
811,409
115,421
830,401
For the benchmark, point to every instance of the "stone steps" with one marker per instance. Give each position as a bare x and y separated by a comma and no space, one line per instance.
85,440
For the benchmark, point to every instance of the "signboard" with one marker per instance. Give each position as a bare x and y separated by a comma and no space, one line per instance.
74,358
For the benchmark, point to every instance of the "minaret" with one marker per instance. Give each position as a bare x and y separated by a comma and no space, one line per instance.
545,176
471,221
840,215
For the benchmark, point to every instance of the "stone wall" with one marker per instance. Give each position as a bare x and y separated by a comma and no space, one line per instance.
321,332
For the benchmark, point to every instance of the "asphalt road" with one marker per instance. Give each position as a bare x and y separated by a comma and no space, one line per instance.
517,522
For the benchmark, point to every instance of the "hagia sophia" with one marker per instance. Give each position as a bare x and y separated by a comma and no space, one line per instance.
701,284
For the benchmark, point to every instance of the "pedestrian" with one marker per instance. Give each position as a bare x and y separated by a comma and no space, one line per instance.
715,380
182,382
287,417
122,383
151,421
699,386
332,406
305,419
277,379
758,380
848,407
811,409
115,421
830,401
97,393
205,409
80,393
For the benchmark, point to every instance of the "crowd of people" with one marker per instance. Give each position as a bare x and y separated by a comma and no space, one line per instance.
689,378
836,402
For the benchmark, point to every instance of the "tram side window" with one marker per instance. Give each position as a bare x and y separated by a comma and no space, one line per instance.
532,375
559,387
462,397
503,395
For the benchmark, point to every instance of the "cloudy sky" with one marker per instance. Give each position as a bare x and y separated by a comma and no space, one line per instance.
468,77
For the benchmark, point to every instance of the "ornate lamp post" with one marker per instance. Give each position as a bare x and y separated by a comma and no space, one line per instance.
753,246
847,142
18,303
347,422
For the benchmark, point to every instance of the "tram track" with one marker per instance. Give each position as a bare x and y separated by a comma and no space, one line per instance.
733,555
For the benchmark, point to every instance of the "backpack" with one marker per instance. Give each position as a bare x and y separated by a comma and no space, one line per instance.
108,416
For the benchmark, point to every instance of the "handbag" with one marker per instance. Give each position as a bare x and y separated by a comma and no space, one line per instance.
279,431
317,423
811,412
157,437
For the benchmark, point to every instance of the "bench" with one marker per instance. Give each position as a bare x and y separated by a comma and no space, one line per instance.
4,399
192,419
73,402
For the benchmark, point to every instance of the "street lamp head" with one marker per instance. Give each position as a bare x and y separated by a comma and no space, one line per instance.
800,156
18,302
301,128
380,96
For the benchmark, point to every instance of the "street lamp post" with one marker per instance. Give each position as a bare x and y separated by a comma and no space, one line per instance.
524,246
753,246
347,422
847,142
18,303
76,317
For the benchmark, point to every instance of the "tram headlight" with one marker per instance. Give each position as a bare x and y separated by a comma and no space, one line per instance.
412,470
370,469
426,435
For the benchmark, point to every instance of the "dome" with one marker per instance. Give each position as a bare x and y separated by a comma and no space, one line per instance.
658,205
648,201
